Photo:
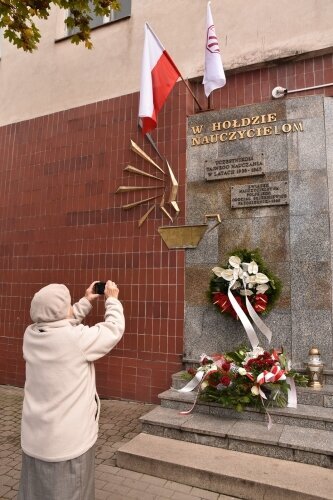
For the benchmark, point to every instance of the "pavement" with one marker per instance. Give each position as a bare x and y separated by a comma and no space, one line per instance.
119,423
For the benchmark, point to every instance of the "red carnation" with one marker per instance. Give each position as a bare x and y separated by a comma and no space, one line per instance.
191,371
226,366
225,381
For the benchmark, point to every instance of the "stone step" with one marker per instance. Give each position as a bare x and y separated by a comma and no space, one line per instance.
232,473
328,375
316,397
311,446
305,395
308,416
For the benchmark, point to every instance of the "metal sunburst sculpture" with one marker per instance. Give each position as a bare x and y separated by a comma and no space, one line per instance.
172,200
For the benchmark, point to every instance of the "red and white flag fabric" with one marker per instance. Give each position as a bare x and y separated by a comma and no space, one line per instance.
158,77
214,76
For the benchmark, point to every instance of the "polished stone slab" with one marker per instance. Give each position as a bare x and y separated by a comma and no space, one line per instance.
295,240
307,439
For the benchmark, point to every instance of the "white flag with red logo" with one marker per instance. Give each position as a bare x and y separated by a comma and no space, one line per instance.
158,77
214,76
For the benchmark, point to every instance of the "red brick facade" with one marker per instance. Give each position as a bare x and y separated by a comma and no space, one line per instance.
61,221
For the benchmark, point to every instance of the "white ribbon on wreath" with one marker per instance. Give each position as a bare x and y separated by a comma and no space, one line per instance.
232,276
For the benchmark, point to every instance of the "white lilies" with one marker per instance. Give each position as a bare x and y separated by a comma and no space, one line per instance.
251,268
262,288
246,271
235,261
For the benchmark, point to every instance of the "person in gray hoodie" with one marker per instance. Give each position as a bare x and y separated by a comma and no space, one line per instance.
61,406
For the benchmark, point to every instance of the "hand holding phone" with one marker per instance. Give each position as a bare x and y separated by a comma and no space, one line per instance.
111,289
91,293
99,287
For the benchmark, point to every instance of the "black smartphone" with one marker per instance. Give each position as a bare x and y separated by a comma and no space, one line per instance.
99,287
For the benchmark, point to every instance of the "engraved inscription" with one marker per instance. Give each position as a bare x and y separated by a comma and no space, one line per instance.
240,166
263,194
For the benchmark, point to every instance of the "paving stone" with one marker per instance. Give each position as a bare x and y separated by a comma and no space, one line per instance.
153,480
14,473
4,469
117,488
3,490
139,485
104,455
160,498
182,488
159,490
10,494
99,484
8,481
225,497
138,494
209,495
129,474
111,462
183,496
102,495
107,469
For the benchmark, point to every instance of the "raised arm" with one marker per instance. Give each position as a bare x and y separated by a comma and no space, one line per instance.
98,340
84,306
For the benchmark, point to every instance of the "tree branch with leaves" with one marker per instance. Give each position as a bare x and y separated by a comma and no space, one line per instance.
18,19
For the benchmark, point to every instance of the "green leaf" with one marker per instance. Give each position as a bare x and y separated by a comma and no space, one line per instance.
16,17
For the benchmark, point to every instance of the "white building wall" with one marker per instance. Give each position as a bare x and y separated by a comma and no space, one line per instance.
61,75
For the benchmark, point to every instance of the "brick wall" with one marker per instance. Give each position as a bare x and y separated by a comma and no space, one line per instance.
61,221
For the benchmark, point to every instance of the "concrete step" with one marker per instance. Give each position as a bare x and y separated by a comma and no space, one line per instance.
308,416
328,374
232,473
305,395
311,446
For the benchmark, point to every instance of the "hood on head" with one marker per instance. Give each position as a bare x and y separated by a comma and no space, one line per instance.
50,303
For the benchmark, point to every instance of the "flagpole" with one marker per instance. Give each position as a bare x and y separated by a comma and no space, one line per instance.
190,90
151,140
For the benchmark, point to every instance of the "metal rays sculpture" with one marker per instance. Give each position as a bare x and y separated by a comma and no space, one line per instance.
162,184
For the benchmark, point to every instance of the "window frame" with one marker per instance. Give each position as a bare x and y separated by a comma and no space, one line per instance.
107,20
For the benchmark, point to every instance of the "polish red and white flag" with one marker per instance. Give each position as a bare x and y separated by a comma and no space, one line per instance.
158,77
214,76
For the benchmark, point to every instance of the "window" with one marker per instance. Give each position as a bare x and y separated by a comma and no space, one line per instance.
115,15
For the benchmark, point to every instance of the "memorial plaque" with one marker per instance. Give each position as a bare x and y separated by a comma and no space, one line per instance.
257,195
234,166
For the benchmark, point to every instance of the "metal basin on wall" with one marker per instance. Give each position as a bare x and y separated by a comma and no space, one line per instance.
182,236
